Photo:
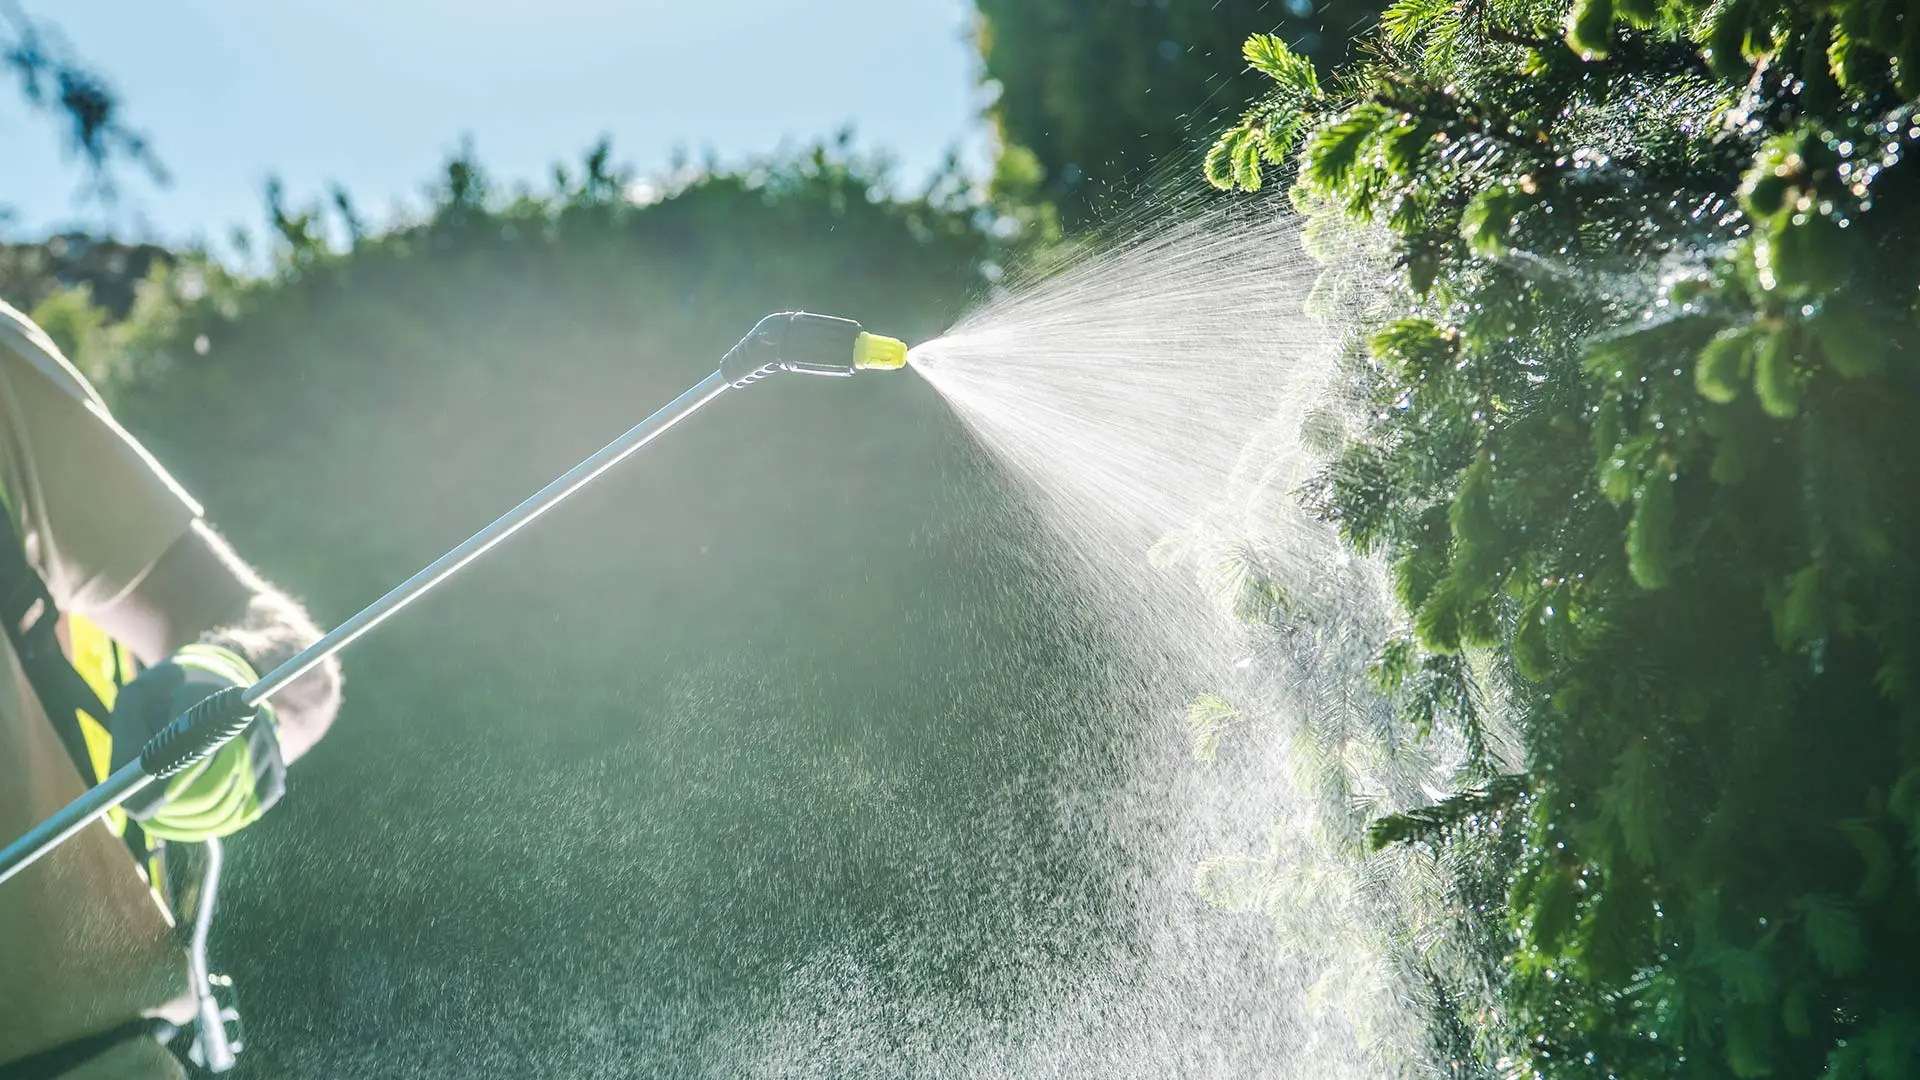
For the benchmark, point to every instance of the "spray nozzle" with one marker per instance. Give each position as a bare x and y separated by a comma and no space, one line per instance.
811,345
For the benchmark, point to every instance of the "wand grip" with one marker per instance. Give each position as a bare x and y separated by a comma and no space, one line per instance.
197,734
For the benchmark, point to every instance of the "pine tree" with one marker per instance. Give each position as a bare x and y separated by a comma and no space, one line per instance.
1643,429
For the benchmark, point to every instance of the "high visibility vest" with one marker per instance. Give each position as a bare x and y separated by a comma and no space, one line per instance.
103,665
106,665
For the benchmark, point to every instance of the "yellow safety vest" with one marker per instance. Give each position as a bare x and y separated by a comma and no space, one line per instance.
106,665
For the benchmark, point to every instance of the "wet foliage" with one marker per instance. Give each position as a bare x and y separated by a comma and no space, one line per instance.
1638,443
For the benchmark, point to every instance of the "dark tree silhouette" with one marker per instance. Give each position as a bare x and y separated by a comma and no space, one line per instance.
53,80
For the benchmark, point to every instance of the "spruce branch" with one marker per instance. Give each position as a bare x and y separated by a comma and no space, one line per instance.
1431,824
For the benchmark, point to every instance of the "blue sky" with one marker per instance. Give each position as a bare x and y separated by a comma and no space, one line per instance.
373,94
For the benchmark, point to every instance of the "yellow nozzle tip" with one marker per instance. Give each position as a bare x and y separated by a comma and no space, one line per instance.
871,352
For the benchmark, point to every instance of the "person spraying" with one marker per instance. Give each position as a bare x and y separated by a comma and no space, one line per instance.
199,743
122,609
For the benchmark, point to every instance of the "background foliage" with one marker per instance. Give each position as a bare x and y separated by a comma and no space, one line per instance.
1098,99
1638,443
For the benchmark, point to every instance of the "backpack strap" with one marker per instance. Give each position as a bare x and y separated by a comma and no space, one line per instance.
60,1060
30,617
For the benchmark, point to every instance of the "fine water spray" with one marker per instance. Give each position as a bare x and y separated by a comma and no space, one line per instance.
795,341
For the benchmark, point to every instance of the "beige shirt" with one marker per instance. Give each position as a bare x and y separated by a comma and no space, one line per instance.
84,945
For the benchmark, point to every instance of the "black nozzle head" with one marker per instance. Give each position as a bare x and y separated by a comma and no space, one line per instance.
793,341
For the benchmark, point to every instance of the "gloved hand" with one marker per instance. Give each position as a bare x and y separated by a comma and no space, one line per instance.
226,792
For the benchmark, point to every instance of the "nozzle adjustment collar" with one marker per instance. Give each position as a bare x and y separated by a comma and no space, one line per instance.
793,341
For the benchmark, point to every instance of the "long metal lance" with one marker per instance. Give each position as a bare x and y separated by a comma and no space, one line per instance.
207,727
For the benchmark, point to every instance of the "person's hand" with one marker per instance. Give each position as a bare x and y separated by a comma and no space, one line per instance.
216,797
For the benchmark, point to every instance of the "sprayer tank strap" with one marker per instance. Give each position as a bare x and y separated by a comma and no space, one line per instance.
58,1061
31,616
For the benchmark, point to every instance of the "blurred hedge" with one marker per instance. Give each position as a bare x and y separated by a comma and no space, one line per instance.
790,685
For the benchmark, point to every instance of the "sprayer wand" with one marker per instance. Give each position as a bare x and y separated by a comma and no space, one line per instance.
790,341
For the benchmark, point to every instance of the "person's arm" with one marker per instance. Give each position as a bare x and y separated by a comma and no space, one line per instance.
119,542
200,591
